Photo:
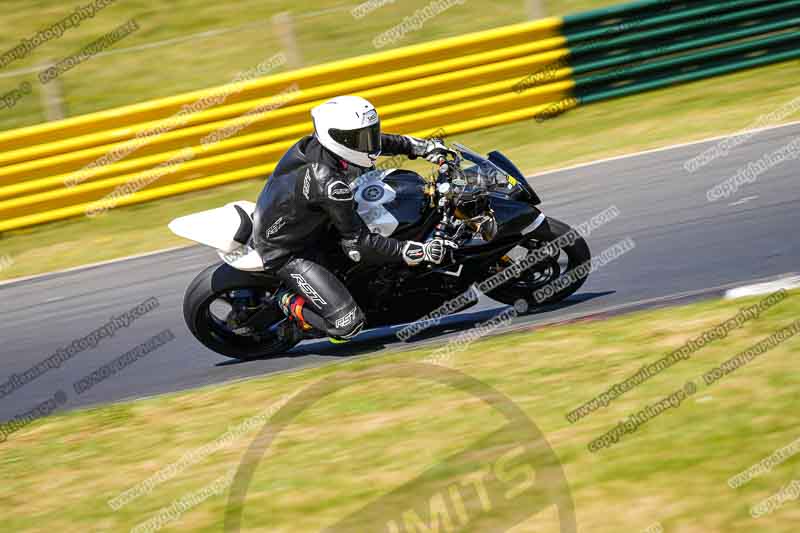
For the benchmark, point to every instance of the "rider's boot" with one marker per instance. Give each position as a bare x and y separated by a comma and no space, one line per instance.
292,306
295,328
348,338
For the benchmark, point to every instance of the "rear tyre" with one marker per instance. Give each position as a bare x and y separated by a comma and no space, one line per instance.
541,275
220,328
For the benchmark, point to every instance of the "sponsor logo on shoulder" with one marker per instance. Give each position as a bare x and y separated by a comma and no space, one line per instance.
307,184
339,191
276,226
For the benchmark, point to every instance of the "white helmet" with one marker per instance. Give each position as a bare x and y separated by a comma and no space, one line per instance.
349,127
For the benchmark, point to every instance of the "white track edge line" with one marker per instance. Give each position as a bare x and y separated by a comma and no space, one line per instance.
662,149
94,265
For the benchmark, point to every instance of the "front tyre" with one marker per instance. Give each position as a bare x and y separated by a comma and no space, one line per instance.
231,313
553,279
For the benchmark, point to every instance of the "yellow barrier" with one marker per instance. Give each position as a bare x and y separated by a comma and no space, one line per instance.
43,168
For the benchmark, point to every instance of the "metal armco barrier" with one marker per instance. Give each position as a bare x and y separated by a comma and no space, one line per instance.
535,70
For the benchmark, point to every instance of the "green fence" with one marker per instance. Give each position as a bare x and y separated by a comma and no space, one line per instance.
533,70
647,45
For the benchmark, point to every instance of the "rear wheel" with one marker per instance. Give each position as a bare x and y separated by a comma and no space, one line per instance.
231,314
552,279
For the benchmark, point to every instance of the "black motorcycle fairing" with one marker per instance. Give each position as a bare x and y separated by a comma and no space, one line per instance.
229,278
524,188
389,294
512,216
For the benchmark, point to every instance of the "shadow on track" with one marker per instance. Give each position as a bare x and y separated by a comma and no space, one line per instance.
377,339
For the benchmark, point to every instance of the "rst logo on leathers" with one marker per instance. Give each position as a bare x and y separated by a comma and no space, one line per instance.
308,290
276,226
347,319
339,191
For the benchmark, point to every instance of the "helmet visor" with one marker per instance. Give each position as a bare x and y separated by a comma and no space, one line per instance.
366,140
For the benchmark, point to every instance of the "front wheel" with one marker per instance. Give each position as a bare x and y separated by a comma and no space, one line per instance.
552,279
233,313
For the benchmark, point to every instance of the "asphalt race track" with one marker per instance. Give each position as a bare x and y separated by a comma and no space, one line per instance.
684,244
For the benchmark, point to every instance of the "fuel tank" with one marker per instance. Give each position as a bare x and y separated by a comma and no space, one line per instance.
393,202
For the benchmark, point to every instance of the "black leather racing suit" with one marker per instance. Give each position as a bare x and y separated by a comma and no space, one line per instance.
308,191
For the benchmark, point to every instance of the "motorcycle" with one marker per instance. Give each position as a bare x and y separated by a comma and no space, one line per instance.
482,204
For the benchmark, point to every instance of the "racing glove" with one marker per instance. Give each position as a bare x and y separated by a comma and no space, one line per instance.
430,149
432,251
434,150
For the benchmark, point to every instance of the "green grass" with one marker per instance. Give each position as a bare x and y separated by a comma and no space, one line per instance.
325,31
372,436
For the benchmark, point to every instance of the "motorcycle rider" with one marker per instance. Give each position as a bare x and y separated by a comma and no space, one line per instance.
310,189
